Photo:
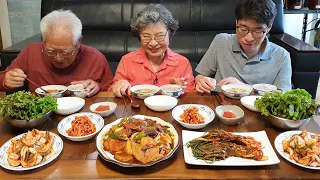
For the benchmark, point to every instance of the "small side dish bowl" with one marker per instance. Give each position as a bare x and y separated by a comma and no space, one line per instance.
69,105
77,90
236,110
65,124
160,102
112,107
173,90
205,111
32,123
56,91
261,89
236,91
144,90
286,124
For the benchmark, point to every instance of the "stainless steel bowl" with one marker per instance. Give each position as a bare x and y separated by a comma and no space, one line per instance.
31,123
286,124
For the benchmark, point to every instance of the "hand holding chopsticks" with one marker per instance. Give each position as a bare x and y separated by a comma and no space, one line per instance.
14,78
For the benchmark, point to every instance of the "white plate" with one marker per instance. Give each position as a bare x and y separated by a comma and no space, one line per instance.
160,102
109,157
278,145
248,102
112,106
65,124
69,105
57,146
231,161
205,111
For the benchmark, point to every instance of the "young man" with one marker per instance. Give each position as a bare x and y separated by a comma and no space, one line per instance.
247,56
59,59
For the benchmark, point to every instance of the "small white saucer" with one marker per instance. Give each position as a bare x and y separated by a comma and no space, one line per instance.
248,102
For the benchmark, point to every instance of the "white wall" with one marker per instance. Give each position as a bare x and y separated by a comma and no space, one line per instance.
293,24
4,24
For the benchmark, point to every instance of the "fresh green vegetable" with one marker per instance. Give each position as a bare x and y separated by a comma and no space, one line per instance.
25,106
295,105
117,136
139,136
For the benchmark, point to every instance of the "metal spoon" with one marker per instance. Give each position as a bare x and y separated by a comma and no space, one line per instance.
134,104
38,86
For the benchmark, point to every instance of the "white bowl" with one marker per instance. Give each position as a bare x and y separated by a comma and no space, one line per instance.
69,105
173,90
160,102
205,111
143,95
230,108
77,90
248,102
261,89
236,95
62,89
65,124
112,106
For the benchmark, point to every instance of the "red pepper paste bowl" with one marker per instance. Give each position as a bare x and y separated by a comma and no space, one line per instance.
103,108
229,114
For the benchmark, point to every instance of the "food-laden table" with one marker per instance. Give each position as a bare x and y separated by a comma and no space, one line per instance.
80,160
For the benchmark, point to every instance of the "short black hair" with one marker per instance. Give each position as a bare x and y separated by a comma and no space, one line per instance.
261,11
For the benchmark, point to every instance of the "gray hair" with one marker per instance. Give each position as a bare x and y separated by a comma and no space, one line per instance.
61,20
151,15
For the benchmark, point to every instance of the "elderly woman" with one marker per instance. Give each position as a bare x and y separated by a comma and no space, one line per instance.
59,59
154,63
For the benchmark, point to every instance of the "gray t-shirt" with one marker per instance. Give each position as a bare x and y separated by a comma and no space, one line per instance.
225,58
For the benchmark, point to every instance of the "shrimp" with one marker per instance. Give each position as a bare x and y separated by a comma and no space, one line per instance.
44,144
28,157
297,141
15,146
31,137
285,145
14,159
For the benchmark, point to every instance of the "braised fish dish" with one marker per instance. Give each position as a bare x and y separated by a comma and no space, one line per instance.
135,140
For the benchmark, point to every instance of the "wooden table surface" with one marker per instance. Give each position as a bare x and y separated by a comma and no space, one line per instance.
80,160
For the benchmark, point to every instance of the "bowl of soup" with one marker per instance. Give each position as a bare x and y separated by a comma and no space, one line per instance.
55,91
173,90
144,90
261,89
77,90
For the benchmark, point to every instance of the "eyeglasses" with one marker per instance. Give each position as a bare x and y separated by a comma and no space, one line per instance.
158,38
255,33
64,53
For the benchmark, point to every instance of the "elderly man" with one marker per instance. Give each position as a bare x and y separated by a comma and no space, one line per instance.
247,56
59,59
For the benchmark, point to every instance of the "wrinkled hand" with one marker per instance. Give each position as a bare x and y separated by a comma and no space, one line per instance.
14,78
121,88
90,86
204,84
229,80
179,81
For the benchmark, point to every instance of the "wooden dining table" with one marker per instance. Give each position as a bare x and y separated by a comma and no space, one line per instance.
80,160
